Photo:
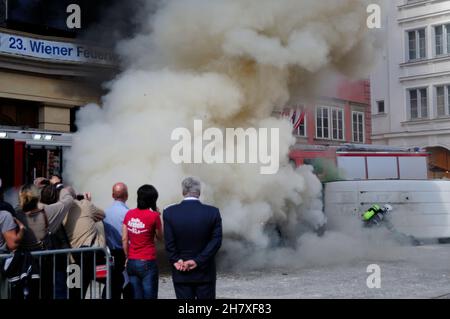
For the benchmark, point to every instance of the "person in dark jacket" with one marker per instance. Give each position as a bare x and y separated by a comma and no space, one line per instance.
193,236
22,271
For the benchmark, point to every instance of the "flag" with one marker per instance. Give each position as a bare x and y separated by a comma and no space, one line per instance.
297,118
299,121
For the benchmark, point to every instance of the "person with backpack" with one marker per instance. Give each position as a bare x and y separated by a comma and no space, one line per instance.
41,221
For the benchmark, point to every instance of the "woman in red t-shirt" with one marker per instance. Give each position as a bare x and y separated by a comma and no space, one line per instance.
140,227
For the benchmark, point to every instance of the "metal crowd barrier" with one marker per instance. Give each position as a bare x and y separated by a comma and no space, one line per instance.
80,257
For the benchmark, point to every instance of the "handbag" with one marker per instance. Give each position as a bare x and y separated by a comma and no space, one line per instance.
46,243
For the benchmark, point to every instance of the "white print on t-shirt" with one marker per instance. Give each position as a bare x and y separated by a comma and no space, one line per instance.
136,226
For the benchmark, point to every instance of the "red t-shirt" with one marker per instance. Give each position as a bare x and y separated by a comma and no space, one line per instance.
142,225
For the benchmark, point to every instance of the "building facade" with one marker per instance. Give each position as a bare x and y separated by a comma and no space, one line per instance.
411,82
46,74
340,117
337,118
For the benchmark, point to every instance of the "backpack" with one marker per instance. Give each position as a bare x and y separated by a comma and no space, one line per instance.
46,242
23,274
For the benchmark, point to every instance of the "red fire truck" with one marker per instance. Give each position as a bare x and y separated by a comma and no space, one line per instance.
363,162
27,154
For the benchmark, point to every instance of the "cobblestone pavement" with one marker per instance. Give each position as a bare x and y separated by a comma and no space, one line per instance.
426,275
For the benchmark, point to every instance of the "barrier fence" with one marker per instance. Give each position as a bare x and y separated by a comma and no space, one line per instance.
83,273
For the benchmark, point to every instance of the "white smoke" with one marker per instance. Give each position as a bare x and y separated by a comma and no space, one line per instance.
228,63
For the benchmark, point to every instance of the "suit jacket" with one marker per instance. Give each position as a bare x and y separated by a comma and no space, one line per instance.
193,230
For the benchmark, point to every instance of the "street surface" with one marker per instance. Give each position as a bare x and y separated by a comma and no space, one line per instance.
424,274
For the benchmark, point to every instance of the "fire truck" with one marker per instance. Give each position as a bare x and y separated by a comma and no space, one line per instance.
27,154
363,162
358,176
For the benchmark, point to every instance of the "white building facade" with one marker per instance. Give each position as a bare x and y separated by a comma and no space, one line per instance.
411,82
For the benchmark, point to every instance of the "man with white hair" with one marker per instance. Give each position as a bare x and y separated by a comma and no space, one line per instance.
193,235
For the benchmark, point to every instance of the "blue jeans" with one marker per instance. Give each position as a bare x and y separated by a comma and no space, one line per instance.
143,275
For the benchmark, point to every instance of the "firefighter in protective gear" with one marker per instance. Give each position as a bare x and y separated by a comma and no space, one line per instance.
378,216
375,215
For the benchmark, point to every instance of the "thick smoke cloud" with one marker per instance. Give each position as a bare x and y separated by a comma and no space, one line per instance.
229,63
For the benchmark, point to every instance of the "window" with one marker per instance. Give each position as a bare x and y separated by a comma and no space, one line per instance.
442,39
322,124
19,113
301,130
413,104
299,116
417,44
73,119
439,40
418,103
330,123
338,124
380,107
358,127
423,103
447,38
442,100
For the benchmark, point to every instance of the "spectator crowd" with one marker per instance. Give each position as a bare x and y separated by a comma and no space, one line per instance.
53,216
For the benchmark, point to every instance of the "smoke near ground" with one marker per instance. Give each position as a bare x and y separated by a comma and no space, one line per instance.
229,63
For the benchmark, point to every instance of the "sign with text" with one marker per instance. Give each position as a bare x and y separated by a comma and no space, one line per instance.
57,51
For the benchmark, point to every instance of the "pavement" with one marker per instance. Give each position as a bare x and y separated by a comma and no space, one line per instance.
423,274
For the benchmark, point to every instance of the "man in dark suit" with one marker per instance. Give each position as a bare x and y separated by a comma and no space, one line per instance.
193,235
